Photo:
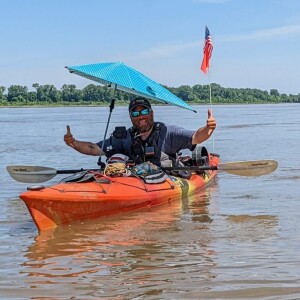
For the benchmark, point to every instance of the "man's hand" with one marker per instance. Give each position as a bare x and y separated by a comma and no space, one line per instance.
204,133
68,138
211,123
82,147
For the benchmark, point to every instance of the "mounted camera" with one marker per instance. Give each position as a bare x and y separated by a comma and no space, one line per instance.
120,132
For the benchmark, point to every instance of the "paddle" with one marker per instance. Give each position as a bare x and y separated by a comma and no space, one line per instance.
240,168
36,174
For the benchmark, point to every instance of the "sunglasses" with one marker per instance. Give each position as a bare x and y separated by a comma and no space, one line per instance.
143,112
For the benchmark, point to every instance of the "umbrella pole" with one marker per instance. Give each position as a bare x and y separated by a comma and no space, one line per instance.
111,107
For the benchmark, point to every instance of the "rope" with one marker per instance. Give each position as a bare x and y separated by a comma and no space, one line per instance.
116,169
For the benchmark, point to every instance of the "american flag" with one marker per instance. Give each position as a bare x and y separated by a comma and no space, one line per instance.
207,50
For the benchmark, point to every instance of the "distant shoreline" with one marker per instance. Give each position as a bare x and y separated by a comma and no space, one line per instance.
126,104
95,95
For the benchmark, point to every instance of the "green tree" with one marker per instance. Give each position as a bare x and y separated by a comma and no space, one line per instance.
17,93
274,92
70,93
2,90
184,92
47,93
92,93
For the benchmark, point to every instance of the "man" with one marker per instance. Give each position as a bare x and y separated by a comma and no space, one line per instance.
146,140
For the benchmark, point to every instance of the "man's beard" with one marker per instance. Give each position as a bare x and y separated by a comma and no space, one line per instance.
143,125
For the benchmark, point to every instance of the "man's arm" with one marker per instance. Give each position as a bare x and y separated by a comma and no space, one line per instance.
87,148
204,133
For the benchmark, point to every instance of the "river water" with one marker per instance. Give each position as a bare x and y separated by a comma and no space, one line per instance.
238,239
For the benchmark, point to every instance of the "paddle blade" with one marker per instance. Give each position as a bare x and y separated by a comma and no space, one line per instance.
31,174
250,168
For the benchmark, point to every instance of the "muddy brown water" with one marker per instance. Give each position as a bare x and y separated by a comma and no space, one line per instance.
238,239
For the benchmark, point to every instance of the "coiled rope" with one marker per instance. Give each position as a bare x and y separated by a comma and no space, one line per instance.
116,169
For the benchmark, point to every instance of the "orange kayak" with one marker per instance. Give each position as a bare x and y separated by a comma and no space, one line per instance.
72,201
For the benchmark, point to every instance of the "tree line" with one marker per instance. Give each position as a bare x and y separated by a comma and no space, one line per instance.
69,94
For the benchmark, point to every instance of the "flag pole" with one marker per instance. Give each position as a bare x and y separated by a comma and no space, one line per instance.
211,108
207,52
210,98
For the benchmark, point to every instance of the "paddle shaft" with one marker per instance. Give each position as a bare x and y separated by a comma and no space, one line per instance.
54,172
191,168
36,174
72,171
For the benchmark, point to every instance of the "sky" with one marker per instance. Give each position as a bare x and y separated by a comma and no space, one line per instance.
256,43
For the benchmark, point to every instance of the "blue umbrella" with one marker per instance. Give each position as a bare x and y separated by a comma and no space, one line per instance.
121,77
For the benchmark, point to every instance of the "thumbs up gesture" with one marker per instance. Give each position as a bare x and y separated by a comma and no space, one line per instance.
211,123
68,138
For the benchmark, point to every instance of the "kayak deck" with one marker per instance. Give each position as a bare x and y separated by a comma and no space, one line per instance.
72,201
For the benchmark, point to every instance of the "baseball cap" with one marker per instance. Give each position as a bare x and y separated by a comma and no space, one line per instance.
139,101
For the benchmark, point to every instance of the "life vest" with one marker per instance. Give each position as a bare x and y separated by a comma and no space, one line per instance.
148,150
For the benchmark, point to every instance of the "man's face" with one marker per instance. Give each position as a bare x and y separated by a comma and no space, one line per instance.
142,122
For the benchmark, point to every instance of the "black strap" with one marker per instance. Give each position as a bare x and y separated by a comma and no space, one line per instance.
138,145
